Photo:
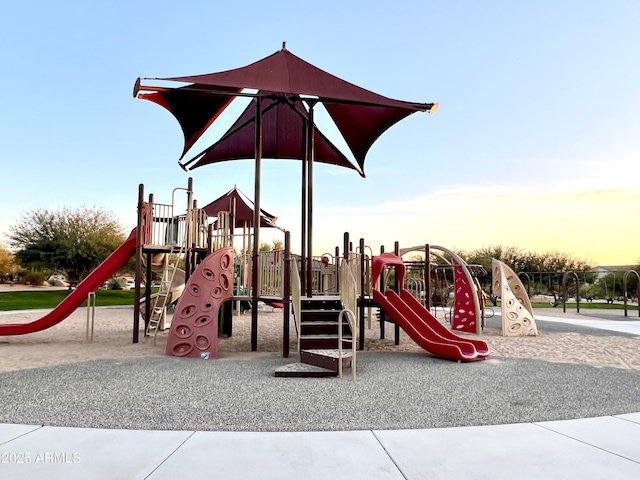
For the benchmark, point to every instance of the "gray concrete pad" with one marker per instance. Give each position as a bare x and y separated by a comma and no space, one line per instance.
82,453
611,434
504,452
630,417
275,455
10,431
623,325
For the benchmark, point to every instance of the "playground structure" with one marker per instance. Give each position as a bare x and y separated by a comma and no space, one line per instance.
202,274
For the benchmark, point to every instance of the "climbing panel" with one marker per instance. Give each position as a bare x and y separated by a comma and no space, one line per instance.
465,317
517,314
194,327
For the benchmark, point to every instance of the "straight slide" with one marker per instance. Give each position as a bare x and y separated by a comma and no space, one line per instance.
421,332
77,297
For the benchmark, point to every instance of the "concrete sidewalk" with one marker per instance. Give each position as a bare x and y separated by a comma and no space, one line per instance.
606,447
593,448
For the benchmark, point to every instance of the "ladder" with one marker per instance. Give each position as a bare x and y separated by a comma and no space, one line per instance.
158,314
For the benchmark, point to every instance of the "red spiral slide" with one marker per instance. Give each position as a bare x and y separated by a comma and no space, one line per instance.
77,297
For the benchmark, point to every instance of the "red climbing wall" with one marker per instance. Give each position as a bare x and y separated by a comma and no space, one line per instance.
194,327
464,315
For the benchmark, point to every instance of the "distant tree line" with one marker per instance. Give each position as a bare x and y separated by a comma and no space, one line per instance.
75,241
542,273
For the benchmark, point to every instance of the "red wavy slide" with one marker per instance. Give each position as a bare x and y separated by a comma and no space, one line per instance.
426,330
427,317
77,297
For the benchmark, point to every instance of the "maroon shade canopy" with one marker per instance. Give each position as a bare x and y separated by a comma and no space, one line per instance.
194,121
360,115
282,127
244,209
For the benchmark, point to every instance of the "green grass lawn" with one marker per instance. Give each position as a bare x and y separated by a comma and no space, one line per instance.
584,305
51,298
106,298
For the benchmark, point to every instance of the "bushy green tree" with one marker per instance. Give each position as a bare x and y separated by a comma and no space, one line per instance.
71,241
550,265
276,244
523,261
8,264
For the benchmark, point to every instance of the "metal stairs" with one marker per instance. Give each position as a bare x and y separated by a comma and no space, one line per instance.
320,355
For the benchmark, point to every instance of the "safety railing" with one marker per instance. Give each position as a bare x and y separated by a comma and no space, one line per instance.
416,287
323,274
222,236
271,266
199,224
168,229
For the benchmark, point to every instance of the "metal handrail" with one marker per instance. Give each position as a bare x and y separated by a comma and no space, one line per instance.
353,324
296,288
348,286
349,299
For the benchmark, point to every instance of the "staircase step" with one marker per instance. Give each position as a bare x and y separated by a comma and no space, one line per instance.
308,342
326,302
325,357
331,353
303,370
311,315
323,328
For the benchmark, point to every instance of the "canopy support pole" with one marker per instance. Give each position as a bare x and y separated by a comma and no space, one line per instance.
138,269
311,154
303,229
256,231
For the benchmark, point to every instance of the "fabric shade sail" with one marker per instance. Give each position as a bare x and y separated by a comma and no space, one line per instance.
244,209
360,115
193,121
283,125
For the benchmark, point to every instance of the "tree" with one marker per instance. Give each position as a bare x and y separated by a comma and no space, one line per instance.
275,245
73,242
264,247
544,269
8,264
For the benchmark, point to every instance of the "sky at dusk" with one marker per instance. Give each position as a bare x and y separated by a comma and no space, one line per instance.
536,142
